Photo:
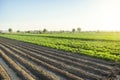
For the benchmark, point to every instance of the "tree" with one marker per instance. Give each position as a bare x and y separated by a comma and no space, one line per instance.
18,31
10,30
44,30
78,29
27,31
73,30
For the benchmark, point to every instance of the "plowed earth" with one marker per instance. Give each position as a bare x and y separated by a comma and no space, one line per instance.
26,61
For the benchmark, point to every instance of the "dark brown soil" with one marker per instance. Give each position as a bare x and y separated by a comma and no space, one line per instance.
52,64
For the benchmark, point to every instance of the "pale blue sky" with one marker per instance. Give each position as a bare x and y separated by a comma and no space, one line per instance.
60,14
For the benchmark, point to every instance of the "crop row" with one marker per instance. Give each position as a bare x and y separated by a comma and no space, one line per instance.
45,64
46,57
59,65
3,74
86,35
14,66
34,69
100,49
55,53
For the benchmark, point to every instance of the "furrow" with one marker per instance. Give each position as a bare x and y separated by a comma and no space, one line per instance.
37,71
81,60
64,61
74,59
78,72
85,62
62,52
62,72
3,74
15,67
51,67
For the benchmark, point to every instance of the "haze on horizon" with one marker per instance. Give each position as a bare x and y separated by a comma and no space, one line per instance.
89,15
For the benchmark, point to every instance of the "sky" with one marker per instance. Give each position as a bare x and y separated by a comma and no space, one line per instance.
55,15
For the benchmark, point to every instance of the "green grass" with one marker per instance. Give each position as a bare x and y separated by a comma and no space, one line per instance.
104,45
88,35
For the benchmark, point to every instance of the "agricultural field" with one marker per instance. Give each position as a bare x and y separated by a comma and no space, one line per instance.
61,56
100,45
3,74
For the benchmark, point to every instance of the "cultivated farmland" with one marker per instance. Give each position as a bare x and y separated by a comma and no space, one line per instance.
3,74
28,61
100,45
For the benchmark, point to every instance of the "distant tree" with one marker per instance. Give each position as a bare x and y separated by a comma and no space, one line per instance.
39,31
18,31
73,30
27,31
0,31
10,30
78,29
44,30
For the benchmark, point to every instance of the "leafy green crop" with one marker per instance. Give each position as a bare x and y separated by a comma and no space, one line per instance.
82,43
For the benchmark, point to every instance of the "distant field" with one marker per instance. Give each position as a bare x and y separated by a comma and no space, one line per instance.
88,35
104,45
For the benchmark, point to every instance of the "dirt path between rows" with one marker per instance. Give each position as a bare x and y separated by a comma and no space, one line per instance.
58,64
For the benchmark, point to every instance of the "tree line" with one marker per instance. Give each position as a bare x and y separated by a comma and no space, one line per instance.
10,30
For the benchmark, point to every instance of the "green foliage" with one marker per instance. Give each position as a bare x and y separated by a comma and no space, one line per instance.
10,30
73,30
18,31
90,44
78,29
44,30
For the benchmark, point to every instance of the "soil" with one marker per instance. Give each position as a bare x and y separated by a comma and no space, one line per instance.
59,64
